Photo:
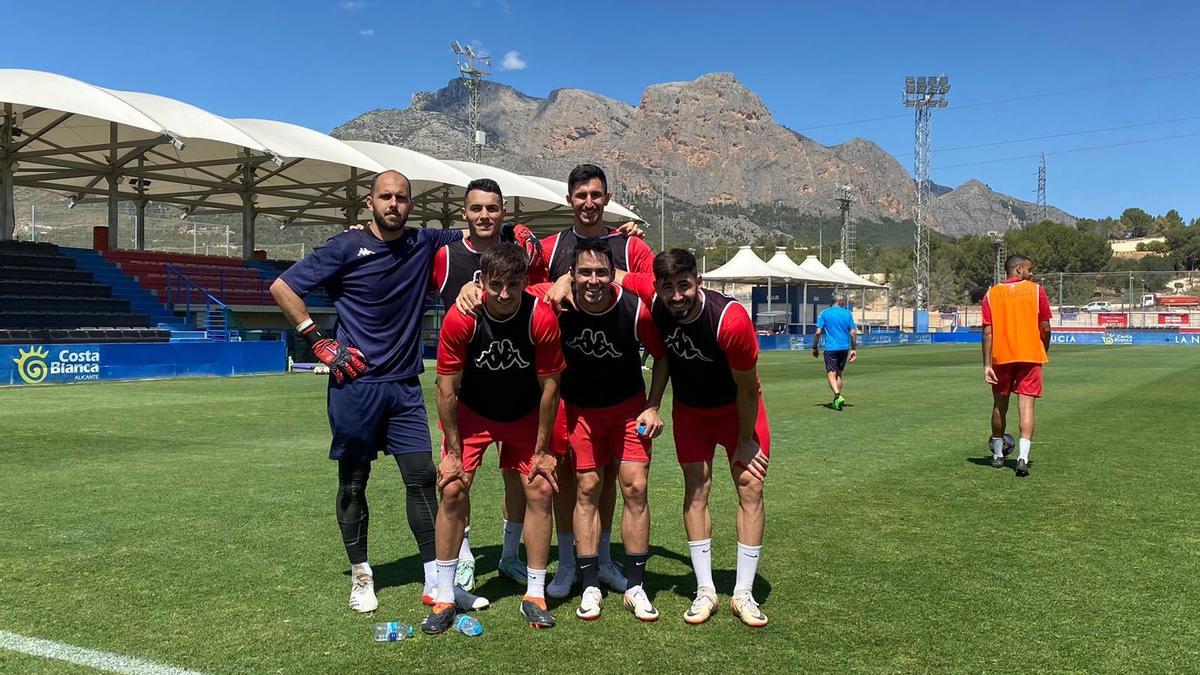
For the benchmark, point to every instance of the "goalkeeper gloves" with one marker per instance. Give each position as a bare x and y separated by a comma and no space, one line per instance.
346,363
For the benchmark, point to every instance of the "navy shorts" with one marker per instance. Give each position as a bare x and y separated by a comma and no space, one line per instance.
835,361
366,417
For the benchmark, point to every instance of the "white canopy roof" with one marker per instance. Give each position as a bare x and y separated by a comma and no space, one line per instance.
840,268
747,268
614,212
94,144
812,266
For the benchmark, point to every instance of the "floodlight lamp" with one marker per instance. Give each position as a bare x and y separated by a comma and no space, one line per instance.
72,201
910,85
176,142
277,160
456,47
921,87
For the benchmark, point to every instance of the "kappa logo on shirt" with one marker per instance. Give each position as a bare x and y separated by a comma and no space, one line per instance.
364,251
476,276
500,355
594,343
680,343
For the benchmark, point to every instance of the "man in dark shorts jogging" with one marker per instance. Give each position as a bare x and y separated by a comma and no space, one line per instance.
836,325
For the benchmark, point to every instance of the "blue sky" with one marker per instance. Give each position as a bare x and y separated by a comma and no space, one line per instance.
320,63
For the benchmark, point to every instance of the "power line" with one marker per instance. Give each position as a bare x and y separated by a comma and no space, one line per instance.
1063,92
1073,150
1060,135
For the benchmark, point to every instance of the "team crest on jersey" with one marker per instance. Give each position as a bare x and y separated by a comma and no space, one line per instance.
680,343
594,343
500,355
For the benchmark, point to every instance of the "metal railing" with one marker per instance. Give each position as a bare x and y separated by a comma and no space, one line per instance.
182,290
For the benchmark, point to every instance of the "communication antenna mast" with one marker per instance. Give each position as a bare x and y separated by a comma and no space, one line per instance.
849,237
1041,189
923,94
473,67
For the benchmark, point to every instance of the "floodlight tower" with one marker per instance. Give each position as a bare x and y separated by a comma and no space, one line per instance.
923,94
844,198
998,272
473,67
1041,189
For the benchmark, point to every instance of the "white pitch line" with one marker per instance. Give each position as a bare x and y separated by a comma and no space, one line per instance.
113,663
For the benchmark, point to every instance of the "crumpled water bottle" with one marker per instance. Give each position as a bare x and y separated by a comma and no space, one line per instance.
468,625
392,631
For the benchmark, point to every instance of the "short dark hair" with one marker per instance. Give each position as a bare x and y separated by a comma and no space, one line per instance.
1012,261
595,246
504,261
485,185
582,174
673,261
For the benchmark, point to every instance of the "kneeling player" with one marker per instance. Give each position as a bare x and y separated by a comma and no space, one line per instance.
606,404
497,382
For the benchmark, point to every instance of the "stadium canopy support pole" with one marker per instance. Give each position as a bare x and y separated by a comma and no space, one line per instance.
8,219
114,241
804,312
139,229
863,302
768,298
247,210
352,197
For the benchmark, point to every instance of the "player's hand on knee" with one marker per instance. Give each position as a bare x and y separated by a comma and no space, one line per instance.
751,456
450,469
346,363
470,298
545,465
650,424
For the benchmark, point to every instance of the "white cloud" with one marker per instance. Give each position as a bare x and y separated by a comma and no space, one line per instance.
367,32
504,6
351,5
513,61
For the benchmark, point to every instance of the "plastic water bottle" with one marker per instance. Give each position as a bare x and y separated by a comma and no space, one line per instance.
468,625
392,631
641,430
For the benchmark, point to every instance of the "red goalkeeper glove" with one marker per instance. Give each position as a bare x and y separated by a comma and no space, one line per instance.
346,363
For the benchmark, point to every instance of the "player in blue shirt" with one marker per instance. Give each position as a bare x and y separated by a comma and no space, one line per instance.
836,325
377,278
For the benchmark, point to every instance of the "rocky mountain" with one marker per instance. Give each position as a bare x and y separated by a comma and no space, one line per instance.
718,149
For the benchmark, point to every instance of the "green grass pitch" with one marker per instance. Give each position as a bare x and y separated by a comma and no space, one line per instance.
190,522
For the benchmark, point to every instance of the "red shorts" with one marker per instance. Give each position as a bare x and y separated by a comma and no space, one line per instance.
1018,378
518,459
698,431
603,436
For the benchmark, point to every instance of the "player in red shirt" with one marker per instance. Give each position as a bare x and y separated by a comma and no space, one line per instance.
456,265
588,195
713,353
498,378
609,418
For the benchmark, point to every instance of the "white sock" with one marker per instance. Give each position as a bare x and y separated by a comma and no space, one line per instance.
430,577
605,545
702,562
362,568
464,551
445,580
747,567
566,552
512,539
997,446
537,584
1024,444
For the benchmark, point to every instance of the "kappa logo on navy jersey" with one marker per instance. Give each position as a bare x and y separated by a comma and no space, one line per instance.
684,348
364,251
594,343
500,355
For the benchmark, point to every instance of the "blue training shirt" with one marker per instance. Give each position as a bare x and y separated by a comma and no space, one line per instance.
835,324
378,289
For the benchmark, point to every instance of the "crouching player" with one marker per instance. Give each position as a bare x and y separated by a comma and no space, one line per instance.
498,377
609,420
713,354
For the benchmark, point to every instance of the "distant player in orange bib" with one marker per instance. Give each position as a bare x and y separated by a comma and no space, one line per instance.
1016,339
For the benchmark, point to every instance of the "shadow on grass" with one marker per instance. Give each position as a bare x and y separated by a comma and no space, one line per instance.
1009,462
409,570
829,406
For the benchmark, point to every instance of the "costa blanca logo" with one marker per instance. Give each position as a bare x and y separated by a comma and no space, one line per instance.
500,355
1060,339
1117,339
680,343
31,364
594,343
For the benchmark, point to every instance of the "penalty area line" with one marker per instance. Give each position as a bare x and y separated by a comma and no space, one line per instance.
106,661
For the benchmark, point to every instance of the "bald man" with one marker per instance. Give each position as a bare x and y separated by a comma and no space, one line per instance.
376,277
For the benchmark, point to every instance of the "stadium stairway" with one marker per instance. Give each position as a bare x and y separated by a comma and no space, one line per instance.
123,286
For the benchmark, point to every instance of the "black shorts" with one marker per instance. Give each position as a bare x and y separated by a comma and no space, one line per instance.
835,361
367,417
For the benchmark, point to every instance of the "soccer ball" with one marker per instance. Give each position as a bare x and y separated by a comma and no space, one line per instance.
1009,443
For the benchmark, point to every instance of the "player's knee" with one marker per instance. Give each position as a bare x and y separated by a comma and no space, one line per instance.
750,489
538,494
588,485
454,494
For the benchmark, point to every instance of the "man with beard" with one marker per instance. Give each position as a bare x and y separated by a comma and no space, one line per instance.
376,278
